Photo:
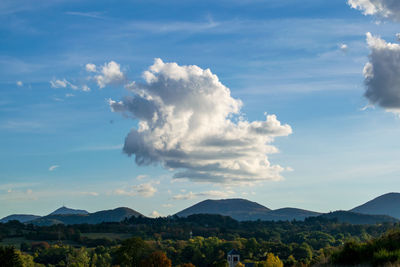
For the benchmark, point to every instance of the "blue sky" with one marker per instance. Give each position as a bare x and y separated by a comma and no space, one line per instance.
64,146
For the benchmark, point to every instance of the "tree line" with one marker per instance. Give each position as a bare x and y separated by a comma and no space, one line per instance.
200,240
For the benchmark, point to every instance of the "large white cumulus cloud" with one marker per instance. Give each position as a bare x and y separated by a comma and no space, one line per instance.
382,73
189,122
388,9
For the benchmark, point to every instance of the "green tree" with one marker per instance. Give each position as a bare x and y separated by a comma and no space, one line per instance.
303,253
9,257
157,259
271,261
131,252
78,258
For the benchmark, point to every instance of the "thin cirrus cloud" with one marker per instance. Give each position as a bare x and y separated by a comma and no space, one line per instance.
386,9
189,123
95,15
382,74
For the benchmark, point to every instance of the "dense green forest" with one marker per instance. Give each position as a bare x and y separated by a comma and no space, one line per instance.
199,240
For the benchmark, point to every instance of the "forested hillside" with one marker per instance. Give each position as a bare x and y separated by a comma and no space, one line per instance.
202,240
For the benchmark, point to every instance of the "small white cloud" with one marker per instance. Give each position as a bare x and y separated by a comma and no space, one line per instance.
168,205
289,169
206,194
91,67
85,88
110,74
144,190
59,83
53,167
155,214
343,47
20,83
69,95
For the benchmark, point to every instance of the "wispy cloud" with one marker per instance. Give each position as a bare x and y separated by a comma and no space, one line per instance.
174,26
53,167
12,186
21,194
209,194
141,177
21,125
55,83
94,15
94,194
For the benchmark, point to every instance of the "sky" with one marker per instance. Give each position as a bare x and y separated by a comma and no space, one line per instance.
157,105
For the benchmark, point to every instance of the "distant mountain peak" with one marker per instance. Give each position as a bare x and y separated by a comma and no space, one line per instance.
237,208
67,211
386,204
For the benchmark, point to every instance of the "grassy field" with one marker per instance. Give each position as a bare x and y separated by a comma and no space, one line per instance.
14,241
112,236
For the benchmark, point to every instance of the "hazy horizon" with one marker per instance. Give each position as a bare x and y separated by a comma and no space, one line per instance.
156,106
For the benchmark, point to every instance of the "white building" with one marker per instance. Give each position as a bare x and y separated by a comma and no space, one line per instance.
233,258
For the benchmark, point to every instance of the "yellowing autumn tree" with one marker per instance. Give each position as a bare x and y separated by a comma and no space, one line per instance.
271,261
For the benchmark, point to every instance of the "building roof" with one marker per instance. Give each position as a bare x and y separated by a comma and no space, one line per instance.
233,252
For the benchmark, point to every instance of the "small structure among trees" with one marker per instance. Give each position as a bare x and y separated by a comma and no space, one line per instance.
233,258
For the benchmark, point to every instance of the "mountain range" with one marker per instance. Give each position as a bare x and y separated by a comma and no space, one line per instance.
245,210
66,215
385,208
